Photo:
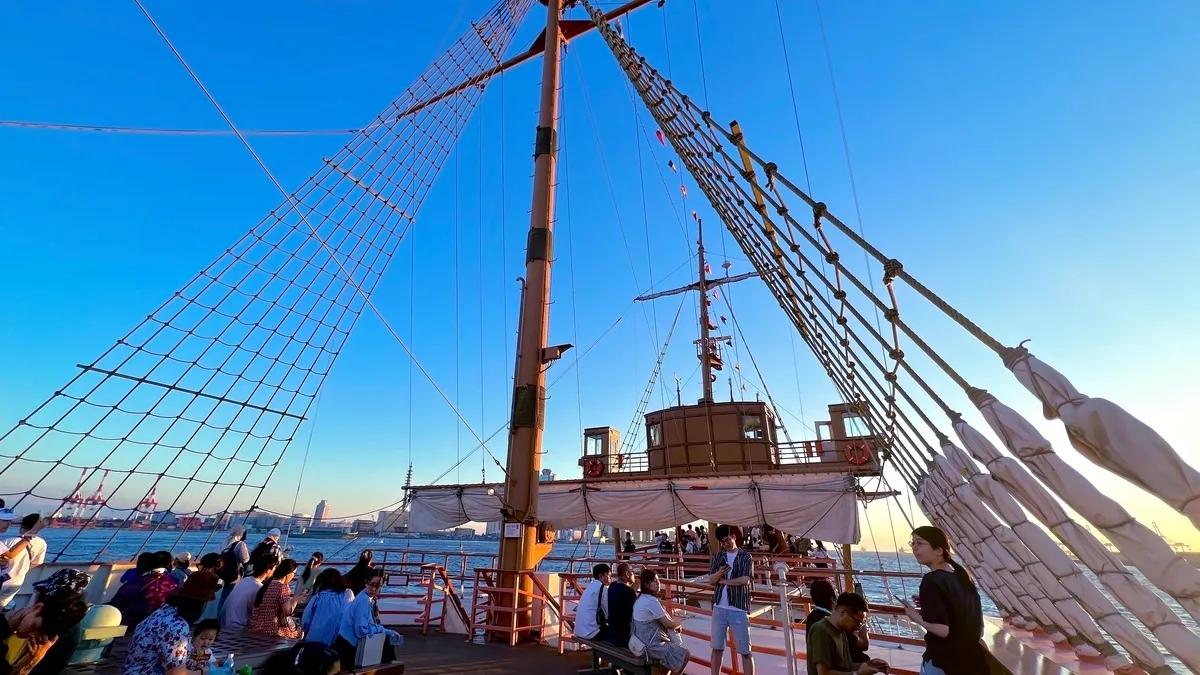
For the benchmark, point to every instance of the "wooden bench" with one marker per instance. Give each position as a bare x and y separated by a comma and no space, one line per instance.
618,658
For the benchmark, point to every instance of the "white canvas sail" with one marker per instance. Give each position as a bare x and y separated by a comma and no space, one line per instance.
815,506
1140,545
1110,437
1029,598
1086,636
1050,559
1135,596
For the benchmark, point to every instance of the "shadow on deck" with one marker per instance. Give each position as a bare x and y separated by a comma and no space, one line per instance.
445,653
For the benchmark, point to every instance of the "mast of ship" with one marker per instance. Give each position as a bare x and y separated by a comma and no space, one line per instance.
707,348
520,495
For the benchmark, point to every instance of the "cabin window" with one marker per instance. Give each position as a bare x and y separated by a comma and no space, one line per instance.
752,427
654,437
593,445
856,426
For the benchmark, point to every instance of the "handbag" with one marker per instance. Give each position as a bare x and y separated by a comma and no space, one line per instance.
636,645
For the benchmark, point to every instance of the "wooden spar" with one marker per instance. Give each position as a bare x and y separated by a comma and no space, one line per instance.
525,440
570,30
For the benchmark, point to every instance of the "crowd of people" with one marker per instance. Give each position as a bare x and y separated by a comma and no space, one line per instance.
175,614
260,590
627,611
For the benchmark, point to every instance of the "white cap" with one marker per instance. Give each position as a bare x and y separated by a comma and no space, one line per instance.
274,532
184,557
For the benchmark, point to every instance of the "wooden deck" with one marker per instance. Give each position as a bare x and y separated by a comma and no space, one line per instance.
446,653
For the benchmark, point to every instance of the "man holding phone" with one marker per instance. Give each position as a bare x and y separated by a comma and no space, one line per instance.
732,572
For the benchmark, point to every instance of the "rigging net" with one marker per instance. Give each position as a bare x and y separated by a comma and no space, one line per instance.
205,395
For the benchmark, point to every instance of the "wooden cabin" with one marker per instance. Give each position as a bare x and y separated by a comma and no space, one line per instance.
733,437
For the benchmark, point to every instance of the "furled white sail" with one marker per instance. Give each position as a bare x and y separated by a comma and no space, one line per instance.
1110,437
1050,559
1036,609
1141,546
1136,597
1085,628
1005,601
815,506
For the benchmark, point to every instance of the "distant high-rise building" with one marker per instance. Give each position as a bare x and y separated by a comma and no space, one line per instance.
547,475
323,513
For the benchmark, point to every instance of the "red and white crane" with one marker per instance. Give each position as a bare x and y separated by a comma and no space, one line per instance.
148,506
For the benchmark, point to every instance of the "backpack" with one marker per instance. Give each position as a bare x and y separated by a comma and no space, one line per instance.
231,567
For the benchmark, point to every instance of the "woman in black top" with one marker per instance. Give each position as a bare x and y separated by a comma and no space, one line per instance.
950,613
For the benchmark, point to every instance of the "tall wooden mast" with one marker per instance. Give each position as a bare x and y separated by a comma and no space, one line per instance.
707,349
525,439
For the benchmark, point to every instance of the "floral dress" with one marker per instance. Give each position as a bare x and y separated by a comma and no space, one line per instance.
160,643
662,645
266,616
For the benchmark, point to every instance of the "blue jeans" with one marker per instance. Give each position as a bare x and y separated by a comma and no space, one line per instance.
724,620
927,668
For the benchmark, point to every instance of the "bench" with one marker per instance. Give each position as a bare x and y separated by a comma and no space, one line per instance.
618,658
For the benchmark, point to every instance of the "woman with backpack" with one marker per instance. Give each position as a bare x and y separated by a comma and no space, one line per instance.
235,554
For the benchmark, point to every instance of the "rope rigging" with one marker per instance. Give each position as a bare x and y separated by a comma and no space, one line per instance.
222,374
679,136
733,194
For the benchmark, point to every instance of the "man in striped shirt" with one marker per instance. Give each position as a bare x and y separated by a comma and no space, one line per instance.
732,572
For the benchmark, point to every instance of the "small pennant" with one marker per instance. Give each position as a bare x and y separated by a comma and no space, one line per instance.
683,189
671,165
659,135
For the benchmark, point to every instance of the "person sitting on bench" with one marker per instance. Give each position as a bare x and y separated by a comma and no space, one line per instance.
590,616
621,597
657,630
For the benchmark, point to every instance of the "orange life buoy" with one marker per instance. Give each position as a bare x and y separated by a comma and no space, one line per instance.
592,467
857,453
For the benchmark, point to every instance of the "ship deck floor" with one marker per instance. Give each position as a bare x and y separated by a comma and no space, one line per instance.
447,653
420,654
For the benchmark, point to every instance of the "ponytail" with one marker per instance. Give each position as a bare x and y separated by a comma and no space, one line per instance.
962,575
313,561
262,592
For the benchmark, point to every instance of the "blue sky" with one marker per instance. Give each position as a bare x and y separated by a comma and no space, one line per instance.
1034,163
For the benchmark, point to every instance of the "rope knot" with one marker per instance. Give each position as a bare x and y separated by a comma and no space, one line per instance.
832,257
890,377
897,354
891,268
819,212
839,294
891,314
1011,356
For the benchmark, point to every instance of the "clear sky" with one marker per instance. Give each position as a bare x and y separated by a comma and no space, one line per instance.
1036,163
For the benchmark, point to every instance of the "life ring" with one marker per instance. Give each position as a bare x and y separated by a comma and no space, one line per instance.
857,453
592,467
